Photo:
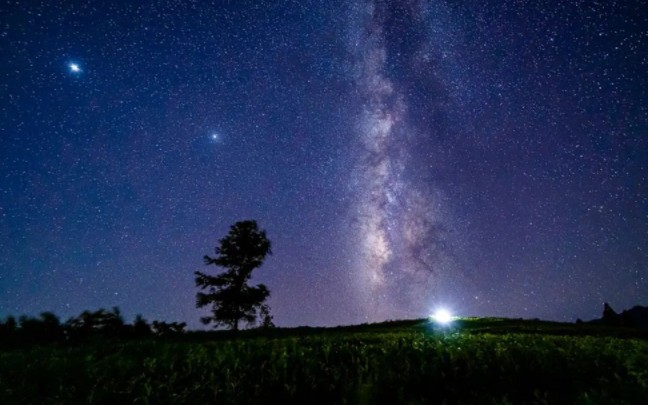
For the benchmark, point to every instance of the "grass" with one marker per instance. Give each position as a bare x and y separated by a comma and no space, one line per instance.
476,360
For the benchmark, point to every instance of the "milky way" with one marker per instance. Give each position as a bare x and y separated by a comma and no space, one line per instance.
400,219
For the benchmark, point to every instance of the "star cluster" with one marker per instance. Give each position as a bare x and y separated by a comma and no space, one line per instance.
490,157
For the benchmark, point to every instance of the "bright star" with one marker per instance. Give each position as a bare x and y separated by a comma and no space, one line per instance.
215,137
74,68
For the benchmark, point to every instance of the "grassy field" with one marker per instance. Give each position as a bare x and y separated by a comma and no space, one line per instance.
473,361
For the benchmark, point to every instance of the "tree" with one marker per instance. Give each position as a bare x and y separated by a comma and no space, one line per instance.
140,327
47,328
232,299
168,329
101,322
8,331
266,318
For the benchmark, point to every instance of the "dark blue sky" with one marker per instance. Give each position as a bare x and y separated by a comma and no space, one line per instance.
491,157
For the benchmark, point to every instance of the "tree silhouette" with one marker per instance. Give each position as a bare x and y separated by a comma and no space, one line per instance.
266,318
168,328
100,323
232,299
8,331
47,328
140,327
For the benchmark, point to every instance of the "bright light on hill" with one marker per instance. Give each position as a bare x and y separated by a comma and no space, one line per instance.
442,316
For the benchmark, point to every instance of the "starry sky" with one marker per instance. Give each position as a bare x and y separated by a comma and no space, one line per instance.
489,157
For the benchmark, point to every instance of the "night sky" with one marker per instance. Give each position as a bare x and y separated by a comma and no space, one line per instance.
490,157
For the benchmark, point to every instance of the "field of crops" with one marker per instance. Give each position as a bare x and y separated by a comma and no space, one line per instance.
401,364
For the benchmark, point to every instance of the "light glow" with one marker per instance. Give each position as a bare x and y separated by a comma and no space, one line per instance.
442,316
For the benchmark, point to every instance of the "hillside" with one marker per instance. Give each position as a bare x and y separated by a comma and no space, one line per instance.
485,360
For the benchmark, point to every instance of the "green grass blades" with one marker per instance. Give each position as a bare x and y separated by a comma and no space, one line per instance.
405,364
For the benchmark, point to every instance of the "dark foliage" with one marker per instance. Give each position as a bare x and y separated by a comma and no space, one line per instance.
141,328
88,326
168,329
231,298
46,328
266,318
99,323
8,331
28,330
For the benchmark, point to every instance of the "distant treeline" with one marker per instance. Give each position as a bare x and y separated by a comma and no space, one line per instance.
47,328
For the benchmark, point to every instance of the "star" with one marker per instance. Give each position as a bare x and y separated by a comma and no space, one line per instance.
74,68
214,137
